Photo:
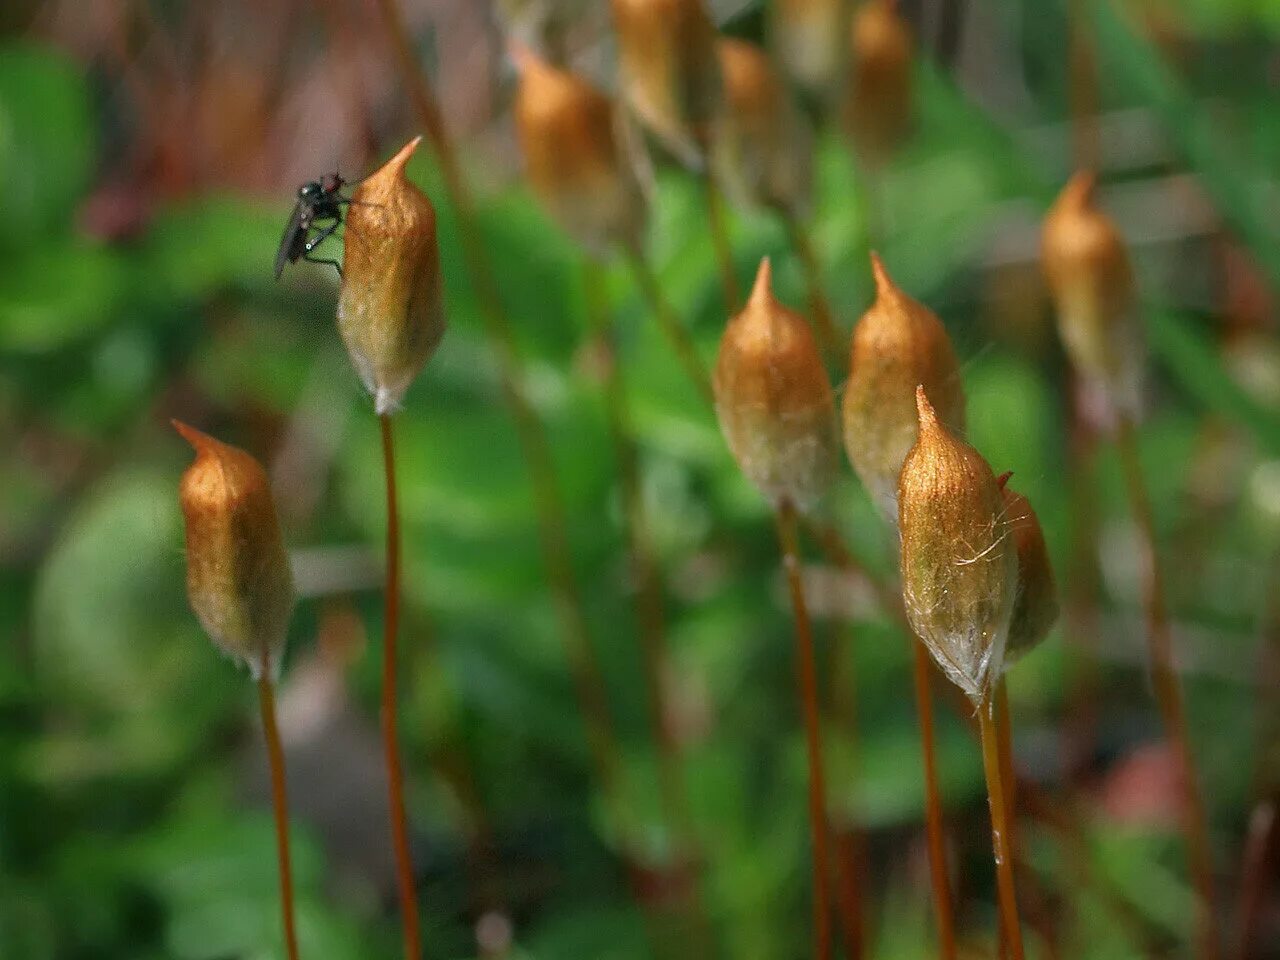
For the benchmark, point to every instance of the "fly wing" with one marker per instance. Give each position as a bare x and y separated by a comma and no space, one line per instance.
291,242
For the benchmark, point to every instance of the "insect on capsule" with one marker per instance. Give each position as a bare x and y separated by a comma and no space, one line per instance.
320,202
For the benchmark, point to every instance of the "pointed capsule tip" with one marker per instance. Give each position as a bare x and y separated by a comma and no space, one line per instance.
401,159
924,409
198,440
1081,188
762,290
884,285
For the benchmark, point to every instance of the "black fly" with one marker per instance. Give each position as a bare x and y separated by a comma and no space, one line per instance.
316,215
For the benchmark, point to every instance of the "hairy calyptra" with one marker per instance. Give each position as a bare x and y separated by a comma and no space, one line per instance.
763,145
1090,277
959,563
670,74
238,577
1035,608
898,343
390,307
575,160
774,401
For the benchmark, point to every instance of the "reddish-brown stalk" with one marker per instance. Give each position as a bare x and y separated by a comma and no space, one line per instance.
848,840
670,325
807,675
1008,776
1260,842
280,804
1004,728
588,678
1001,836
729,288
649,605
1169,696
819,305
390,736
935,829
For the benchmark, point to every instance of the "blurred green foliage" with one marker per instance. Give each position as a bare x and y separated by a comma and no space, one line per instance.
126,826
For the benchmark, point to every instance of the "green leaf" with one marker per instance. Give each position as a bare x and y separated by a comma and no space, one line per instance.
47,142
55,295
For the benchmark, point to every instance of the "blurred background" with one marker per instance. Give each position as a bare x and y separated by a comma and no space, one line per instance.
149,156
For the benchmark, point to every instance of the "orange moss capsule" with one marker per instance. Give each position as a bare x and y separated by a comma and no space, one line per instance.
878,105
574,159
1087,266
809,38
897,344
1035,607
763,145
238,577
774,401
390,308
670,74
959,565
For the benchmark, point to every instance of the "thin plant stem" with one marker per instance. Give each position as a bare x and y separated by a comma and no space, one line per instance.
850,843
819,306
584,665
839,554
649,606
675,332
390,736
848,840
1262,839
1169,696
280,804
1001,843
1008,778
1083,95
1004,731
807,675
650,615
716,223
1080,605
1264,827
935,829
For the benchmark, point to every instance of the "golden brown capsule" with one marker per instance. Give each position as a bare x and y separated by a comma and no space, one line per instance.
390,307
1035,607
878,104
809,38
238,576
1087,266
897,344
669,71
959,564
763,145
574,160
774,401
